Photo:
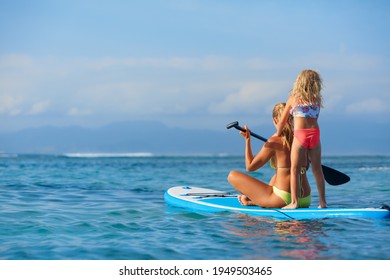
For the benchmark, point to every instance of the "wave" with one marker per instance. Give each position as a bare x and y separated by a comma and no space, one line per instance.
107,155
7,155
141,154
374,168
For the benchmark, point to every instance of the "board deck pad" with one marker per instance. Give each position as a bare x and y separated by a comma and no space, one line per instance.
209,200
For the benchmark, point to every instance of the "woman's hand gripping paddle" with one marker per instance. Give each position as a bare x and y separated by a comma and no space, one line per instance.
332,176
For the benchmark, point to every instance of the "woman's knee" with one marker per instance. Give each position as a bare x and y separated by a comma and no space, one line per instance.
235,176
232,176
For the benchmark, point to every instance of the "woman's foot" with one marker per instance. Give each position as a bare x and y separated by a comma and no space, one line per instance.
244,200
291,206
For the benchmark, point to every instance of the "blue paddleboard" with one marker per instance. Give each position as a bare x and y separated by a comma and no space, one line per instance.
208,200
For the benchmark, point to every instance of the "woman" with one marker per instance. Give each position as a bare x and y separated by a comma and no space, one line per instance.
276,194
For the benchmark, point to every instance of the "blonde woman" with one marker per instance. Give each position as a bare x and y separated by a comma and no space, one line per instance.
304,105
276,194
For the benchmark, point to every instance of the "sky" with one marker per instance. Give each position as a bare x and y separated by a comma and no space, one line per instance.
192,63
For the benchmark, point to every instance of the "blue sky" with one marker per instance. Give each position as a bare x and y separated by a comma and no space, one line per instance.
191,63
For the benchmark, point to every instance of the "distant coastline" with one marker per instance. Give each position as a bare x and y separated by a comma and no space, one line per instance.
154,138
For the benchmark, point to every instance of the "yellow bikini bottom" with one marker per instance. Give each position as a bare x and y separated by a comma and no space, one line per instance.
303,202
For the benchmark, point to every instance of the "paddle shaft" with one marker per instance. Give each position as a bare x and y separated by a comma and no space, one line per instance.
252,133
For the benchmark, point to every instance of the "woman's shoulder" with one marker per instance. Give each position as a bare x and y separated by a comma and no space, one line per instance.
275,142
274,139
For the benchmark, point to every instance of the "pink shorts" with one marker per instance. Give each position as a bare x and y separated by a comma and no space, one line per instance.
308,137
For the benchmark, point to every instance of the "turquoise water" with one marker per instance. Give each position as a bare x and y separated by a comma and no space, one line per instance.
58,207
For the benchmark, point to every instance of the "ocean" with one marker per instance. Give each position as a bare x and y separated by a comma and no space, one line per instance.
111,207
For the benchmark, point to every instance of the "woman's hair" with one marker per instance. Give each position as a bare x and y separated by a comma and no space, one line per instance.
307,87
287,133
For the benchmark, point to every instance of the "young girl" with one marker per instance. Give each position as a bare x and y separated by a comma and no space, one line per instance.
304,105
276,194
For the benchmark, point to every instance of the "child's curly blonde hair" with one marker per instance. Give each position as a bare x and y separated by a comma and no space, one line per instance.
307,87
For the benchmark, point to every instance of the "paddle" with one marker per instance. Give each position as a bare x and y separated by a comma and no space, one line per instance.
332,176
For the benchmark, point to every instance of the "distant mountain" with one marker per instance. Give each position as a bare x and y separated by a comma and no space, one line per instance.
351,137
338,138
122,137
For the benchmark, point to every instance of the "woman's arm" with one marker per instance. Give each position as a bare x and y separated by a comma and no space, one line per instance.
253,163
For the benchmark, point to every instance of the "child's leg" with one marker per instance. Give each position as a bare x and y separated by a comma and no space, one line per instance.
298,154
315,156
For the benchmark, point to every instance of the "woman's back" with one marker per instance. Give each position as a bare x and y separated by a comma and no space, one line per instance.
282,164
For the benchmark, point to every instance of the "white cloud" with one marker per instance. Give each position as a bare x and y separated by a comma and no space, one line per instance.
10,105
39,108
371,105
340,62
77,112
15,61
179,63
178,86
252,98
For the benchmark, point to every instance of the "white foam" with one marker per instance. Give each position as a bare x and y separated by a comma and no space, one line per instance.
6,155
106,155
374,168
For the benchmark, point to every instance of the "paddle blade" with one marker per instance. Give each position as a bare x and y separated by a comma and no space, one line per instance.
334,177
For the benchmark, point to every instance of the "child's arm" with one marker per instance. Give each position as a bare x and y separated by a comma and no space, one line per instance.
284,117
